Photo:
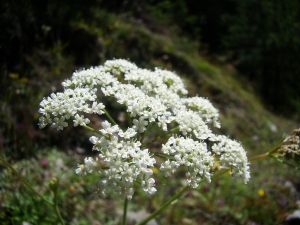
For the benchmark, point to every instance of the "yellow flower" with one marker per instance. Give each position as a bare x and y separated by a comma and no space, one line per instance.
155,171
261,193
71,188
23,80
14,75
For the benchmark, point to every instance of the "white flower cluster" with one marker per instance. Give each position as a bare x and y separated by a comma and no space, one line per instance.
61,106
232,156
124,159
157,96
189,153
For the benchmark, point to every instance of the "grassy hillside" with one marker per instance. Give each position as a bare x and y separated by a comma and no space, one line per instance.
267,199
149,45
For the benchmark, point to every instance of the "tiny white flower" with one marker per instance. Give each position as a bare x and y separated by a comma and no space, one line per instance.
44,121
80,170
90,164
108,129
148,186
129,133
97,108
169,167
80,120
140,125
59,123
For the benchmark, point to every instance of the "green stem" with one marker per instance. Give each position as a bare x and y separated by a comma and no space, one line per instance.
109,117
25,182
125,211
161,155
93,130
57,210
89,128
265,155
59,215
157,212
282,161
175,197
146,131
169,134
129,119
276,146
53,184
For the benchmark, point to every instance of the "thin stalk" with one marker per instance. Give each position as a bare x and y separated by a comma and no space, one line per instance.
55,206
169,134
125,211
166,204
93,130
175,197
282,161
144,134
257,157
89,128
25,182
59,215
109,117
129,119
277,145
161,155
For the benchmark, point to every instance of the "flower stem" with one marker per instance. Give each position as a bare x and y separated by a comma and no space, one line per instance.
109,117
282,161
257,157
93,130
146,131
157,212
129,119
175,197
125,211
53,184
59,215
89,128
169,134
25,182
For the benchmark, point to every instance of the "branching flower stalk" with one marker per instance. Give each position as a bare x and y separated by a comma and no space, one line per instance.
150,98
285,151
171,200
287,148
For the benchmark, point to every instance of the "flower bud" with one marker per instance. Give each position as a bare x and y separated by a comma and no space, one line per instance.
53,184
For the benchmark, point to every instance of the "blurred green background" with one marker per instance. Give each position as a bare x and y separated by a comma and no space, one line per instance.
242,55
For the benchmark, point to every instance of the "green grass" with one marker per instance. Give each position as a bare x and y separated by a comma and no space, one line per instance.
224,200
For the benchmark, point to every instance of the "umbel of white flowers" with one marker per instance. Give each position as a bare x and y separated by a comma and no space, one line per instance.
150,97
